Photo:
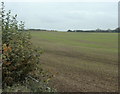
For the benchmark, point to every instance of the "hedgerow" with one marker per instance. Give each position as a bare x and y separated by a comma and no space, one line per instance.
20,58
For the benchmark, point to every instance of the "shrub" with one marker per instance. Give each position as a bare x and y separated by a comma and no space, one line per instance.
19,57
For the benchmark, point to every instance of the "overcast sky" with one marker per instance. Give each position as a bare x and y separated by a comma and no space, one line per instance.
66,15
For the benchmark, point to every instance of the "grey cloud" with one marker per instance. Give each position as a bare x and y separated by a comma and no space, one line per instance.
66,15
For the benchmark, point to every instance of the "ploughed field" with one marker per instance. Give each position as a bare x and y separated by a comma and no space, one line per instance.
81,62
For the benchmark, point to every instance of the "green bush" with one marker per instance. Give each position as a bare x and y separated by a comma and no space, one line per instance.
18,55
20,59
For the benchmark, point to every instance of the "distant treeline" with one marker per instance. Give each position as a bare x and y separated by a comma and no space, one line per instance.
41,30
97,30
117,30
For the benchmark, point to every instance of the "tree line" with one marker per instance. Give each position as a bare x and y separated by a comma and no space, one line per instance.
117,30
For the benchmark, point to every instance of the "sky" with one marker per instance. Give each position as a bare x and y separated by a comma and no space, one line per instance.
66,15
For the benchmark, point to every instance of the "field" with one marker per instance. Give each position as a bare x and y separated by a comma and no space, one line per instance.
81,62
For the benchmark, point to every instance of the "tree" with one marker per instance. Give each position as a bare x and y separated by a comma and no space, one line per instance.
69,31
